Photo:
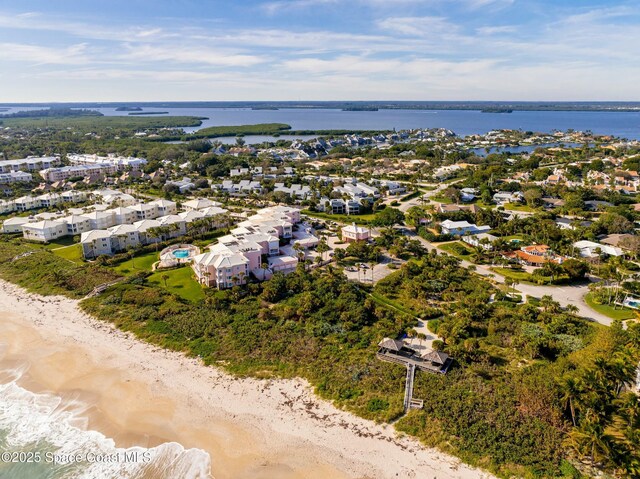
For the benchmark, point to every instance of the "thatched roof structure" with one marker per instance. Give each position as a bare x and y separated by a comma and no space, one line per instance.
391,344
437,357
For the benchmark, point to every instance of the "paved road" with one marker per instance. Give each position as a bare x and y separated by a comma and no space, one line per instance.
404,207
564,295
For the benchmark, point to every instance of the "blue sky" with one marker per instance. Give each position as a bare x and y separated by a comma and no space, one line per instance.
69,50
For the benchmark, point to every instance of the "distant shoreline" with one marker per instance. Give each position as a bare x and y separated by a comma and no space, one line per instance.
358,106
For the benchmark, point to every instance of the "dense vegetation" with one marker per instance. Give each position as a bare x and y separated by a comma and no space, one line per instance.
524,373
100,122
52,113
41,271
259,129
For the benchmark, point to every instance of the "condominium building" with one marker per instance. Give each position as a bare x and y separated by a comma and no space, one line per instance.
120,162
15,177
44,231
31,163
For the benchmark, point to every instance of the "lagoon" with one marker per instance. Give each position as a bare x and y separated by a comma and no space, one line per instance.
462,122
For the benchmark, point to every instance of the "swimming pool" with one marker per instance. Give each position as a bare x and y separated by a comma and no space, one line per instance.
181,253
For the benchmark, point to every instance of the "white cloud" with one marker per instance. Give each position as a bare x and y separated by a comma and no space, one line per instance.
37,54
418,26
496,30
188,54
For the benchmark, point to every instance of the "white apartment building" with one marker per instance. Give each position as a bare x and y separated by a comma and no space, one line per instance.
101,220
44,231
62,173
31,163
145,211
199,204
77,224
25,203
15,177
165,207
120,162
14,225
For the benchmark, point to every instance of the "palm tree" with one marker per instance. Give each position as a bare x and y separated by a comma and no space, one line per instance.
264,267
130,251
322,247
508,281
412,333
571,389
421,337
589,439
165,277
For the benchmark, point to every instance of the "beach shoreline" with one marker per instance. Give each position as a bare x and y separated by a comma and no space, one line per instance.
143,395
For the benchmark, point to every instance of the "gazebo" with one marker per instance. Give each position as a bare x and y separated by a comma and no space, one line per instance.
436,357
394,346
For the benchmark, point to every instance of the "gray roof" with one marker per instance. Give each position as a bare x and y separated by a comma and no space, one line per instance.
437,357
391,344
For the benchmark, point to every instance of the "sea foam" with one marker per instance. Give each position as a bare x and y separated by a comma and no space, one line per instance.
56,429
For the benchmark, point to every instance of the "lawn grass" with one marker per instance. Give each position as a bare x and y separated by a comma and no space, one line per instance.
180,282
518,207
457,249
521,276
72,253
137,264
59,243
617,313
411,196
442,199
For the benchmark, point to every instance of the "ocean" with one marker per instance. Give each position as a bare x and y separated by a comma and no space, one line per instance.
43,436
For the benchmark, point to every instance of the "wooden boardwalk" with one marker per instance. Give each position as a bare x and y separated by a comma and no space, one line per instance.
412,363
408,386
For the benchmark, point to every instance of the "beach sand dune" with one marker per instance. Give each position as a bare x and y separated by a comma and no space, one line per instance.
139,394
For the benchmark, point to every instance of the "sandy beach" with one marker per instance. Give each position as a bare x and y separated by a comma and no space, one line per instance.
142,395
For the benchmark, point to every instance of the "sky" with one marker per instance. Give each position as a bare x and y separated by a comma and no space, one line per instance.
208,50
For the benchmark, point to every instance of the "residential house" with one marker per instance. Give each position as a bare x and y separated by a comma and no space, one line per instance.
459,228
501,198
591,249
536,255
481,240
354,232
